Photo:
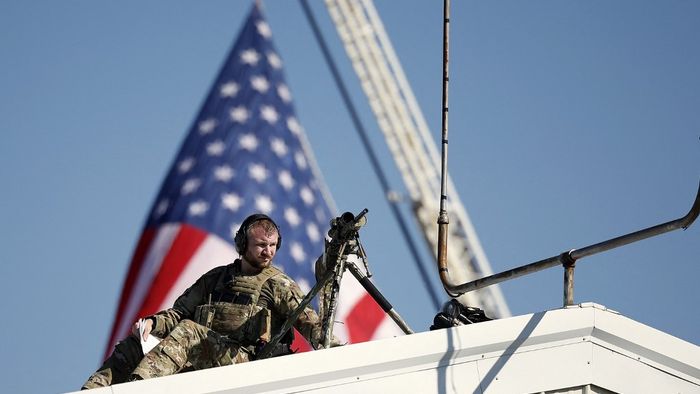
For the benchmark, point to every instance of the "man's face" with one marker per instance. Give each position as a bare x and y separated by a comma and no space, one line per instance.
261,247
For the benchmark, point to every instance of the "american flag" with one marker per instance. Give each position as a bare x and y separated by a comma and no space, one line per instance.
246,152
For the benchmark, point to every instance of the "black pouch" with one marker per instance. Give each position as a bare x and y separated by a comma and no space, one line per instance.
455,314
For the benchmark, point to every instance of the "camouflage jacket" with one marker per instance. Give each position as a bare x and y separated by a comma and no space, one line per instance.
280,294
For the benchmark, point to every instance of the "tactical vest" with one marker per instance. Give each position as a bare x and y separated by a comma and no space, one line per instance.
236,311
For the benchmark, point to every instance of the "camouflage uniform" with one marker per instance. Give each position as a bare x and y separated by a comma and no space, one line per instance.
117,368
187,342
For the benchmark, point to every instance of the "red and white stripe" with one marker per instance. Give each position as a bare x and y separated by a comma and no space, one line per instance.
358,317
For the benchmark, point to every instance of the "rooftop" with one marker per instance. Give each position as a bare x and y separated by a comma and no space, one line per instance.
582,348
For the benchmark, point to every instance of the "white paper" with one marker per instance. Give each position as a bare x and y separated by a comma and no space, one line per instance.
150,342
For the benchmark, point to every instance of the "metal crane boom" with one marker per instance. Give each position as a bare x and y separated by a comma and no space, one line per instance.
409,140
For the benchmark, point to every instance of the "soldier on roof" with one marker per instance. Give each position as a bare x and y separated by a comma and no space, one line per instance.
221,319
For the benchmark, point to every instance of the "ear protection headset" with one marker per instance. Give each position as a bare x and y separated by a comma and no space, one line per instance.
241,238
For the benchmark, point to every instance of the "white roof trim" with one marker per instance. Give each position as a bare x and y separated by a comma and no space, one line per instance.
576,347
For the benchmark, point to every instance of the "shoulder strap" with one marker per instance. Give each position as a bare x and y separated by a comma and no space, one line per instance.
229,269
253,284
268,273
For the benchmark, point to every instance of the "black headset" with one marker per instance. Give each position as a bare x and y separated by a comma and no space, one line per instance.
241,238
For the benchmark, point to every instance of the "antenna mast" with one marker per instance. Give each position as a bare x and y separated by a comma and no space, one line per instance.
443,218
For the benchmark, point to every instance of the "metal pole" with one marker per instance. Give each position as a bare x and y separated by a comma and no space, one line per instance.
443,219
379,298
576,254
569,283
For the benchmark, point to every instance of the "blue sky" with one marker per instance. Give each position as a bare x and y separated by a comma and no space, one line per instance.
570,123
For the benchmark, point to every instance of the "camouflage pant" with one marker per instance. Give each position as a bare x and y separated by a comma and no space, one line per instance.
189,342
118,367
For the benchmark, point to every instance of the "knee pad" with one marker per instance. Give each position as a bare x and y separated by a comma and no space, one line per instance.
129,350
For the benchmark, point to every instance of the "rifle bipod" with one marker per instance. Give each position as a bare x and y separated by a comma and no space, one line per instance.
344,242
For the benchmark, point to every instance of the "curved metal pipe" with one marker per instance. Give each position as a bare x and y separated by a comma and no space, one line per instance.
570,257
443,219
567,259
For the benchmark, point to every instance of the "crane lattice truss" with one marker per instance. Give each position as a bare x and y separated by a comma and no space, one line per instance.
408,137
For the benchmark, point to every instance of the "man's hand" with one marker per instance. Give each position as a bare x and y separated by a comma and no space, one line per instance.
148,326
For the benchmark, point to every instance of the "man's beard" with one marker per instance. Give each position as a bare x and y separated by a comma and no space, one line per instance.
261,264
256,263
